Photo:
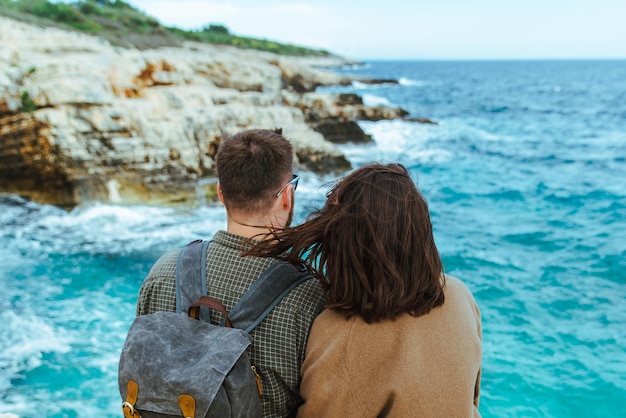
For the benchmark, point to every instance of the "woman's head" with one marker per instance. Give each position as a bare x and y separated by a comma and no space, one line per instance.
372,244
378,252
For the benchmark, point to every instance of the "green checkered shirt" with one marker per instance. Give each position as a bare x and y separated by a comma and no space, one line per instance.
279,340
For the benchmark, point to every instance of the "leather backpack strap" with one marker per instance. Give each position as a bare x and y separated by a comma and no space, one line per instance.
128,406
209,302
191,277
266,292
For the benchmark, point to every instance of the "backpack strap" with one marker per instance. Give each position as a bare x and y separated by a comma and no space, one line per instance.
265,293
191,266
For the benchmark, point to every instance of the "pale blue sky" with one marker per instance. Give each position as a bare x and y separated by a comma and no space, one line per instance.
433,29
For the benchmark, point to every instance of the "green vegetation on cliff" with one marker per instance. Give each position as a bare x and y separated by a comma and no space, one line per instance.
124,25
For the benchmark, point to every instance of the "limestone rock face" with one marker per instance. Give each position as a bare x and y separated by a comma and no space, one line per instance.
81,120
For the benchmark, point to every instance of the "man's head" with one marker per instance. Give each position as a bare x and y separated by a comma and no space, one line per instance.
252,166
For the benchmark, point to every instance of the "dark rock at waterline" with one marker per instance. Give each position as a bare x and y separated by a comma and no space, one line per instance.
422,120
342,131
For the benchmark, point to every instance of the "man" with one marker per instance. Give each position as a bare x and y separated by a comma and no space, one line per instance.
256,185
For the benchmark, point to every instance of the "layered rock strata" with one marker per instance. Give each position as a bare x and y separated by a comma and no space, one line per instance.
82,120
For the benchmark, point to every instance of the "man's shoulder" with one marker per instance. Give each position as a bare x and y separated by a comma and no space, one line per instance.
307,296
157,292
163,270
165,265
311,286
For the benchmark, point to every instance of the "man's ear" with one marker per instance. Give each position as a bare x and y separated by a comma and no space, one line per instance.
286,198
220,194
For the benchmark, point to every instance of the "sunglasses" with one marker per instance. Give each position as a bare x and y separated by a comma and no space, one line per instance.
293,181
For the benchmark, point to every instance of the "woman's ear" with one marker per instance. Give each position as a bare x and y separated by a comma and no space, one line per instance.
220,194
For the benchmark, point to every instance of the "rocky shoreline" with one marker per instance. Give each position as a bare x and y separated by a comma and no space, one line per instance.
82,120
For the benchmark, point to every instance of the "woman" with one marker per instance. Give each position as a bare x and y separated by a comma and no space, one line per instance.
398,338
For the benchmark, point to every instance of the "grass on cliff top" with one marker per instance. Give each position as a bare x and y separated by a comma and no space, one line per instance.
124,25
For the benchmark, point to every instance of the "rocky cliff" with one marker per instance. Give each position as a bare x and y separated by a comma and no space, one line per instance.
82,120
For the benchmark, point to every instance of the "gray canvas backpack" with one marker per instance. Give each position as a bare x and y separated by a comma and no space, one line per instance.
175,364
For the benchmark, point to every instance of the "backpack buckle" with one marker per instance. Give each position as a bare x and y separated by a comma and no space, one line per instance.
128,406
129,411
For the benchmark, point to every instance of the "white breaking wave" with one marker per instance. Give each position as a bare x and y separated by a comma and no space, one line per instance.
372,100
100,228
409,82
398,141
363,86
24,338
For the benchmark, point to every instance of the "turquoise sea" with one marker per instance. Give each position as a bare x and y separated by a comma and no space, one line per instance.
525,174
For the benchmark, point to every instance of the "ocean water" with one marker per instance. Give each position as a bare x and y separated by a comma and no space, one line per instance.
525,174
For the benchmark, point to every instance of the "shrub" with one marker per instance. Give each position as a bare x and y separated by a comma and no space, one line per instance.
211,28
27,103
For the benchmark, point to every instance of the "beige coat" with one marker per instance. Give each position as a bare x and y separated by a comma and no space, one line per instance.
410,367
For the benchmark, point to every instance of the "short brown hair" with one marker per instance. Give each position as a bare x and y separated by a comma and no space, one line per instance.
372,246
252,166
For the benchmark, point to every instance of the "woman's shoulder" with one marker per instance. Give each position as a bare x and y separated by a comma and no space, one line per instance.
331,325
459,294
456,286
331,317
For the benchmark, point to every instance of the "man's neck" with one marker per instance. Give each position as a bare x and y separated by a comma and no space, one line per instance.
247,228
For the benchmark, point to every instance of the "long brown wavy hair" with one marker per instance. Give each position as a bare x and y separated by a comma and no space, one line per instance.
371,246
